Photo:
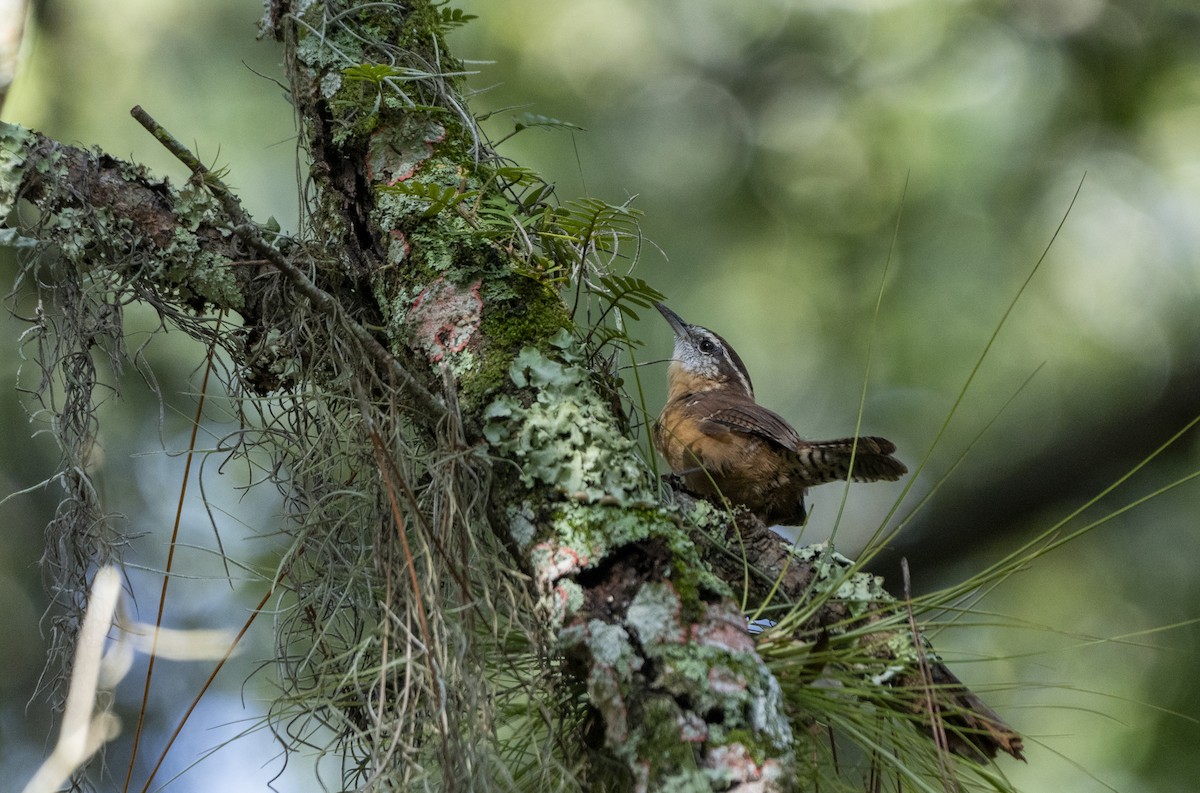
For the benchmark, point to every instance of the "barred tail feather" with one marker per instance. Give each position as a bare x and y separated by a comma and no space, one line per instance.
829,461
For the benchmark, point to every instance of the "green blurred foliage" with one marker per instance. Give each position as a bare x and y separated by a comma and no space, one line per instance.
777,148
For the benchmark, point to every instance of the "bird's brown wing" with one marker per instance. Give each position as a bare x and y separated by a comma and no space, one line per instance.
818,461
752,419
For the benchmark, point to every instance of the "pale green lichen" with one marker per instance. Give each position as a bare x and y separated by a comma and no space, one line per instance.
659,748
393,207
572,593
768,714
715,668
611,648
858,591
564,438
97,236
903,656
595,529
435,252
14,143
737,684
460,363
272,353
654,614
330,84
737,762
752,724
197,273
609,677
521,526
316,52
689,780
704,514
70,232
893,651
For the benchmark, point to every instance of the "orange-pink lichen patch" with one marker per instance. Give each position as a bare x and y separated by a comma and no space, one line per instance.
723,628
446,317
555,561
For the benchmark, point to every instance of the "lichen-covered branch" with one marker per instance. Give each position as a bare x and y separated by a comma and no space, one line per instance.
853,607
680,697
98,209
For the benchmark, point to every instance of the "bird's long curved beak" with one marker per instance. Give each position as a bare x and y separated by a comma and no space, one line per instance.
674,320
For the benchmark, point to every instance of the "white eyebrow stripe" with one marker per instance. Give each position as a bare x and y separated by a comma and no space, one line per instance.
745,381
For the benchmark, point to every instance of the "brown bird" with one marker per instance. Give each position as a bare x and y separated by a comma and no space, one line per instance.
722,443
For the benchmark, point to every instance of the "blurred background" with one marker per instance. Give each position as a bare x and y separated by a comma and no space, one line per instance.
786,155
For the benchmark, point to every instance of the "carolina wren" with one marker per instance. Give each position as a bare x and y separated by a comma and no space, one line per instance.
724,444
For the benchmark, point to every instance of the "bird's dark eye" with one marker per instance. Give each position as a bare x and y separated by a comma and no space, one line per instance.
707,345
